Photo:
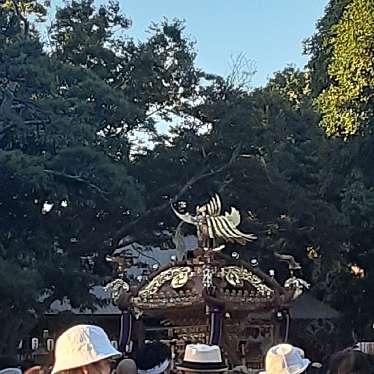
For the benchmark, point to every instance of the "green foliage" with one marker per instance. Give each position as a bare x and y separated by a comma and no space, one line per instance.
319,50
297,191
65,123
358,203
68,116
346,103
293,85
26,8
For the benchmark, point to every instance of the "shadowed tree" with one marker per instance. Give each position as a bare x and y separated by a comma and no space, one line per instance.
65,125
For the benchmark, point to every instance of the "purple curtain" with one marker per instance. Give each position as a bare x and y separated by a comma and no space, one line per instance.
216,320
125,331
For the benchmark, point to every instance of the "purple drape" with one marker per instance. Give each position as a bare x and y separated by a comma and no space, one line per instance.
216,320
125,331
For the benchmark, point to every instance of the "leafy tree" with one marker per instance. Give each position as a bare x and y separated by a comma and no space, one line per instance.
342,234
345,104
318,47
65,125
253,148
263,152
293,85
76,184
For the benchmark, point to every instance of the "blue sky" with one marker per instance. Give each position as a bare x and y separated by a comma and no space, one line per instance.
268,32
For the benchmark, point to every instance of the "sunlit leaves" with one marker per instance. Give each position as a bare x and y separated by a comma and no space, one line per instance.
346,104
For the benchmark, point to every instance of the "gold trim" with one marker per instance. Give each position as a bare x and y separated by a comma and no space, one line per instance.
177,275
236,276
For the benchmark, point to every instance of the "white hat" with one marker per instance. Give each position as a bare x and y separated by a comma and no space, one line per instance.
160,368
11,371
82,345
202,357
285,359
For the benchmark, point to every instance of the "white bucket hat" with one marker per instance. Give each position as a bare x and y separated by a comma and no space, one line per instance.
11,371
82,345
285,359
202,358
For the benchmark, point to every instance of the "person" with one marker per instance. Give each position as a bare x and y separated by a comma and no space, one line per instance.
29,366
153,358
84,349
127,366
285,359
202,358
350,361
9,365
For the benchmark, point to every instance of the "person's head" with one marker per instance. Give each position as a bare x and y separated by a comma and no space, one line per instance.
285,359
153,358
84,349
127,366
202,359
9,365
29,366
36,369
350,361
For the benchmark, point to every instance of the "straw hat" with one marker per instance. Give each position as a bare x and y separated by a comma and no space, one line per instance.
285,359
82,345
202,358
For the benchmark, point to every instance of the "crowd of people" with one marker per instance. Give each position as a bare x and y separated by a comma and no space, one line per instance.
86,349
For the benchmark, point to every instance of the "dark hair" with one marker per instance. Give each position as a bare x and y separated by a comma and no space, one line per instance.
27,364
8,362
151,355
350,361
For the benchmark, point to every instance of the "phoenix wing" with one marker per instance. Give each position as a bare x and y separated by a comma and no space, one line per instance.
213,207
184,217
224,229
233,216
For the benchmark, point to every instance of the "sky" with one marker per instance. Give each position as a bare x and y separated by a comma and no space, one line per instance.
268,32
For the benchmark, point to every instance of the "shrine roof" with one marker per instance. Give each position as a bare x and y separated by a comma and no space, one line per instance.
304,307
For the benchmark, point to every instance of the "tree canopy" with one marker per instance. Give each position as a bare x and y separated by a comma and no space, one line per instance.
67,116
345,52
77,183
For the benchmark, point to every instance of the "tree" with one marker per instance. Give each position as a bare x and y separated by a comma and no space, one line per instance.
319,50
76,184
293,85
345,103
65,125
253,148
337,64
263,152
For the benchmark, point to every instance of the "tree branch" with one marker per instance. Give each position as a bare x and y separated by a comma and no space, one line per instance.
264,165
22,18
27,122
4,129
8,97
76,178
204,173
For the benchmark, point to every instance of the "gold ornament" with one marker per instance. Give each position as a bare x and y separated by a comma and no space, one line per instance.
212,225
236,276
177,275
